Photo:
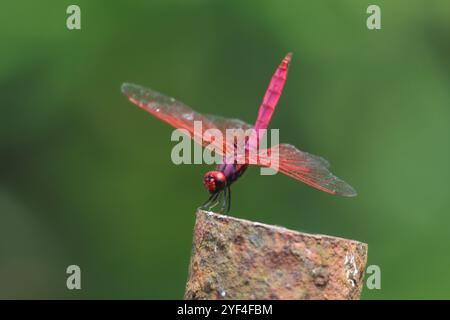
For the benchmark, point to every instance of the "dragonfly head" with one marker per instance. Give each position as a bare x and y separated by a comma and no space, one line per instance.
214,181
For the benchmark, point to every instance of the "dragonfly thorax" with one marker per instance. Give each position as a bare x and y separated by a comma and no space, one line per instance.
214,181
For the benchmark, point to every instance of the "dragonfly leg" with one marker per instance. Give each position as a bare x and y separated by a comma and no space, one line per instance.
224,208
229,199
216,200
208,201
208,204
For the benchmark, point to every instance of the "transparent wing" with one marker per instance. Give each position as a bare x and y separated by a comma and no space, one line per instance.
180,116
308,168
223,123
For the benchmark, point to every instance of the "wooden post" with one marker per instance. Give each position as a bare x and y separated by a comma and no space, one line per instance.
240,259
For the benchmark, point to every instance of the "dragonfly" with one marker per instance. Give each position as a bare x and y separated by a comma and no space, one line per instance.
305,167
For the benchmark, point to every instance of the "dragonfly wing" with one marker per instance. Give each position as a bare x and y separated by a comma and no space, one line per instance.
223,123
308,168
180,116
236,139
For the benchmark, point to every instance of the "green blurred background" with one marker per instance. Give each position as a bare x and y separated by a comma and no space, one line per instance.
86,177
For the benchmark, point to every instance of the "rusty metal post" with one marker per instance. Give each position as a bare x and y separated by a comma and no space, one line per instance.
240,259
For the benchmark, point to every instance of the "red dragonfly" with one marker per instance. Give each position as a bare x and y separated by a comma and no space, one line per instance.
305,167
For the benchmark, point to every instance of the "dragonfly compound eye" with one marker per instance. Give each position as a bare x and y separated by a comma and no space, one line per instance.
214,181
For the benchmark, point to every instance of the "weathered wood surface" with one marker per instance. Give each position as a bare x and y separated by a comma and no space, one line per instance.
240,259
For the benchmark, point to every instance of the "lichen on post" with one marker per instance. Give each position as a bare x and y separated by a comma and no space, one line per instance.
240,259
